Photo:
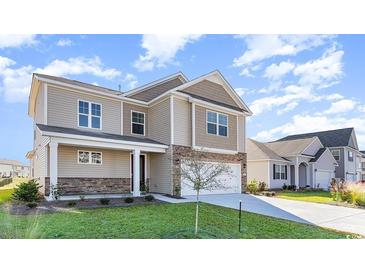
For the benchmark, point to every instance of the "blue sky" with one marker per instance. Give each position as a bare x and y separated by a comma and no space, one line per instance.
293,84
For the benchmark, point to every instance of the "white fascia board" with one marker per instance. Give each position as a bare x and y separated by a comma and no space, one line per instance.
80,140
33,96
274,160
154,83
215,150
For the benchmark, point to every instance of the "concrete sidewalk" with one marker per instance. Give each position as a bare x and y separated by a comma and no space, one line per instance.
328,216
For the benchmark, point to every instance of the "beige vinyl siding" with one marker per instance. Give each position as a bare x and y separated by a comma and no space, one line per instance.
203,139
161,172
40,158
127,114
157,90
241,133
39,106
115,163
212,91
63,109
182,122
159,122
258,170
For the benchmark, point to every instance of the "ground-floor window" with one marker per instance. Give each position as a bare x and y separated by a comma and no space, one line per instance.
89,157
280,172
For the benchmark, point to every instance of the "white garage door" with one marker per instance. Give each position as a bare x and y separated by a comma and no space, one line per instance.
232,184
323,178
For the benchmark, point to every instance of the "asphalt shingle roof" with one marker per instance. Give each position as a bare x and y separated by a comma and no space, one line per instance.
318,154
329,138
259,151
103,135
288,148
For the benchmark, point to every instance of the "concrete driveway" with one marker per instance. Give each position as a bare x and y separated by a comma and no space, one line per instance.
329,216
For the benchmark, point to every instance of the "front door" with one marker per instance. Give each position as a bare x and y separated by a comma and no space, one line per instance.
142,174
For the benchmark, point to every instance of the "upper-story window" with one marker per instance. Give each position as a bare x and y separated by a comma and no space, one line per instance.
138,122
350,156
89,114
217,123
336,154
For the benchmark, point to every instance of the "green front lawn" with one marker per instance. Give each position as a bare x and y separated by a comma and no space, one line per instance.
5,195
310,196
155,221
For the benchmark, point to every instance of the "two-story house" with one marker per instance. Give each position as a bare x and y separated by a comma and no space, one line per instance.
90,140
343,145
13,168
363,165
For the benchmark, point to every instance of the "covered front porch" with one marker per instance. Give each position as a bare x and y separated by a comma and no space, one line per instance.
94,168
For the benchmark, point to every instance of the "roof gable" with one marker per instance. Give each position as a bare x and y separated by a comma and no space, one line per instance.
259,151
329,138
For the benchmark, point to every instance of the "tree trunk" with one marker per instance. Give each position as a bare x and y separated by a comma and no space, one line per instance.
197,213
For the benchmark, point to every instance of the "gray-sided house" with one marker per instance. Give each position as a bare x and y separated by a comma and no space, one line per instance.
300,162
90,140
362,165
343,145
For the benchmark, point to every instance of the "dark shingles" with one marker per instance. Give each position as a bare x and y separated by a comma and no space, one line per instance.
329,138
318,154
213,101
74,131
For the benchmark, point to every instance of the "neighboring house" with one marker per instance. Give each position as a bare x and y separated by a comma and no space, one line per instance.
13,168
363,165
300,162
343,145
90,140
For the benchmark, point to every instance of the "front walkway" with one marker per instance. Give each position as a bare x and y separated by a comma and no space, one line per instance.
328,216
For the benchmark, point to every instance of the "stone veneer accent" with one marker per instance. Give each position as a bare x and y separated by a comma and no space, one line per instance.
180,152
85,186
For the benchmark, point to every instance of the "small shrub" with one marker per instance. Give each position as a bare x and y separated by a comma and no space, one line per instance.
252,187
104,201
5,181
268,193
71,203
285,187
292,187
261,186
27,192
129,200
149,198
32,204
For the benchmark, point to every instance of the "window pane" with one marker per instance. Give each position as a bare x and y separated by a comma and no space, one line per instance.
223,120
96,158
212,117
83,120
83,157
222,130
95,122
83,107
137,129
96,109
212,128
138,117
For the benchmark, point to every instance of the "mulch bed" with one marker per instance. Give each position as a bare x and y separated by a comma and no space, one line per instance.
45,207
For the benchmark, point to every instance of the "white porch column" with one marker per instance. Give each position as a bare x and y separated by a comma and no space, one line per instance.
136,170
53,166
296,173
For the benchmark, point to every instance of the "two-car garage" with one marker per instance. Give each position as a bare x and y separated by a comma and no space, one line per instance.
230,183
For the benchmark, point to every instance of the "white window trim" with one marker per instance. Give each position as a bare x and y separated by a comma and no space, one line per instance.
348,156
89,115
217,123
339,154
90,159
281,172
144,124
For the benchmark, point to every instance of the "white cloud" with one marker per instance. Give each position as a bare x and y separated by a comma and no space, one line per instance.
288,108
276,71
362,108
17,40
80,65
161,49
64,42
334,97
324,71
131,80
343,105
261,47
16,82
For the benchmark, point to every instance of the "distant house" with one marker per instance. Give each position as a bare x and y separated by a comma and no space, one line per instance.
13,168
301,162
